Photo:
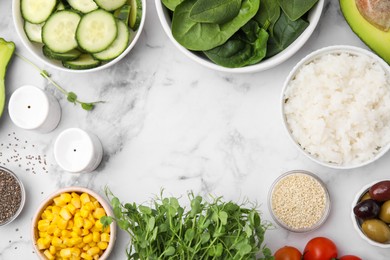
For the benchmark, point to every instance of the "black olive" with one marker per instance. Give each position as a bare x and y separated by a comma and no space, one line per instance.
367,209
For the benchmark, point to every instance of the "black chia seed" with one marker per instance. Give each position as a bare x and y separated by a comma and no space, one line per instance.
10,196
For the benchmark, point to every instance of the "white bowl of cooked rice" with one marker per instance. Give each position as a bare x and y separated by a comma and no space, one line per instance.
336,106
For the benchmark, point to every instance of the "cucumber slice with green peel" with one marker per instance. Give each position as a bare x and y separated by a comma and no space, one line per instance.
135,14
123,13
84,6
118,46
96,31
110,5
37,11
70,55
59,31
33,31
85,61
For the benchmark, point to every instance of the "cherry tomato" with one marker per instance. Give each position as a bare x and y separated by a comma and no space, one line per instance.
288,253
320,248
350,257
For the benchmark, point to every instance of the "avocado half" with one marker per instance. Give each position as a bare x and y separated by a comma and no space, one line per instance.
378,40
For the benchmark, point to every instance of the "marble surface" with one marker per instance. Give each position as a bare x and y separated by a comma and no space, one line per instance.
170,123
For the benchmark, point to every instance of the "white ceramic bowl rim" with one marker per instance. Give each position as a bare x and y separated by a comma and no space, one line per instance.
23,196
314,17
18,20
102,202
327,206
355,224
308,59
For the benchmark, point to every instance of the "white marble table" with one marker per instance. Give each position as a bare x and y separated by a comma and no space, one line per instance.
168,122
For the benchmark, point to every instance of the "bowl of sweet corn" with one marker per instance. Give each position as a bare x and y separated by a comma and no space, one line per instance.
67,226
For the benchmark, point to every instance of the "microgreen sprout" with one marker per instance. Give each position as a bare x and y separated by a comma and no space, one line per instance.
70,96
208,230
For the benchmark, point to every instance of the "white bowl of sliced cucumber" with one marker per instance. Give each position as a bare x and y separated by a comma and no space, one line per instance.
79,35
239,36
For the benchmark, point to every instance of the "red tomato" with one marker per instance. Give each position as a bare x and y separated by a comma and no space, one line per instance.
349,257
320,248
288,253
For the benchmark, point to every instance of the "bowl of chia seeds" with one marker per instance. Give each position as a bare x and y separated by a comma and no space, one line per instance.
12,196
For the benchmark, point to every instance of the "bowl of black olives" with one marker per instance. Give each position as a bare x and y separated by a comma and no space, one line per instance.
371,213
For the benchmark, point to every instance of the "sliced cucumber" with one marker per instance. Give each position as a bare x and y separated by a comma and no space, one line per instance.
37,11
96,31
84,6
123,13
110,5
85,61
118,46
70,55
59,31
33,31
135,14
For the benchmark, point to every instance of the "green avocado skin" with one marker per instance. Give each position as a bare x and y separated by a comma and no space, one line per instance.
377,40
6,51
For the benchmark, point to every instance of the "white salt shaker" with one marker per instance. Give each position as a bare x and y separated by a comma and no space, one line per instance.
78,151
32,108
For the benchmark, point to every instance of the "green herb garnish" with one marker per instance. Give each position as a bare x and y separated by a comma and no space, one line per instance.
208,230
70,96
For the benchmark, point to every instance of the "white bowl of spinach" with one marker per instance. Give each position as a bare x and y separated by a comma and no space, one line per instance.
239,35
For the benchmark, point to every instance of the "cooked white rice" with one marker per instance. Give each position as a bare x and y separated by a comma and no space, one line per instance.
338,108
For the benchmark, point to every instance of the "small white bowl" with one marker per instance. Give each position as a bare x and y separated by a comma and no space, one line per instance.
308,59
355,220
313,18
49,200
23,196
36,49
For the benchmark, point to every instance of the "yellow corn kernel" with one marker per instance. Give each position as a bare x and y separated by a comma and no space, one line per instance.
76,240
43,215
88,238
50,230
61,223
97,204
41,244
95,236
84,232
43,224
86,256
85,198
66,233
96,257
57,232
99,225
58,201
93,251
52,250
80,245
84,212
48,214
72,209
90,206
92,244
68,242
76,202
76,230
105,237
75,251
86,247
107,230
56,210
65,214
48,254
56,241
75,195
98,213
42,234
66,197
92,219
102,245
87,224
78,222
66,252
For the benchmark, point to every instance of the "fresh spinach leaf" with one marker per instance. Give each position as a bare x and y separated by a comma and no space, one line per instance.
248,46
205,36
294,9
284,33
215,11
268,14
171,4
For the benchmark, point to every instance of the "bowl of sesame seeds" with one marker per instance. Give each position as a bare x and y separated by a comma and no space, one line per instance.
12,196
299,201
